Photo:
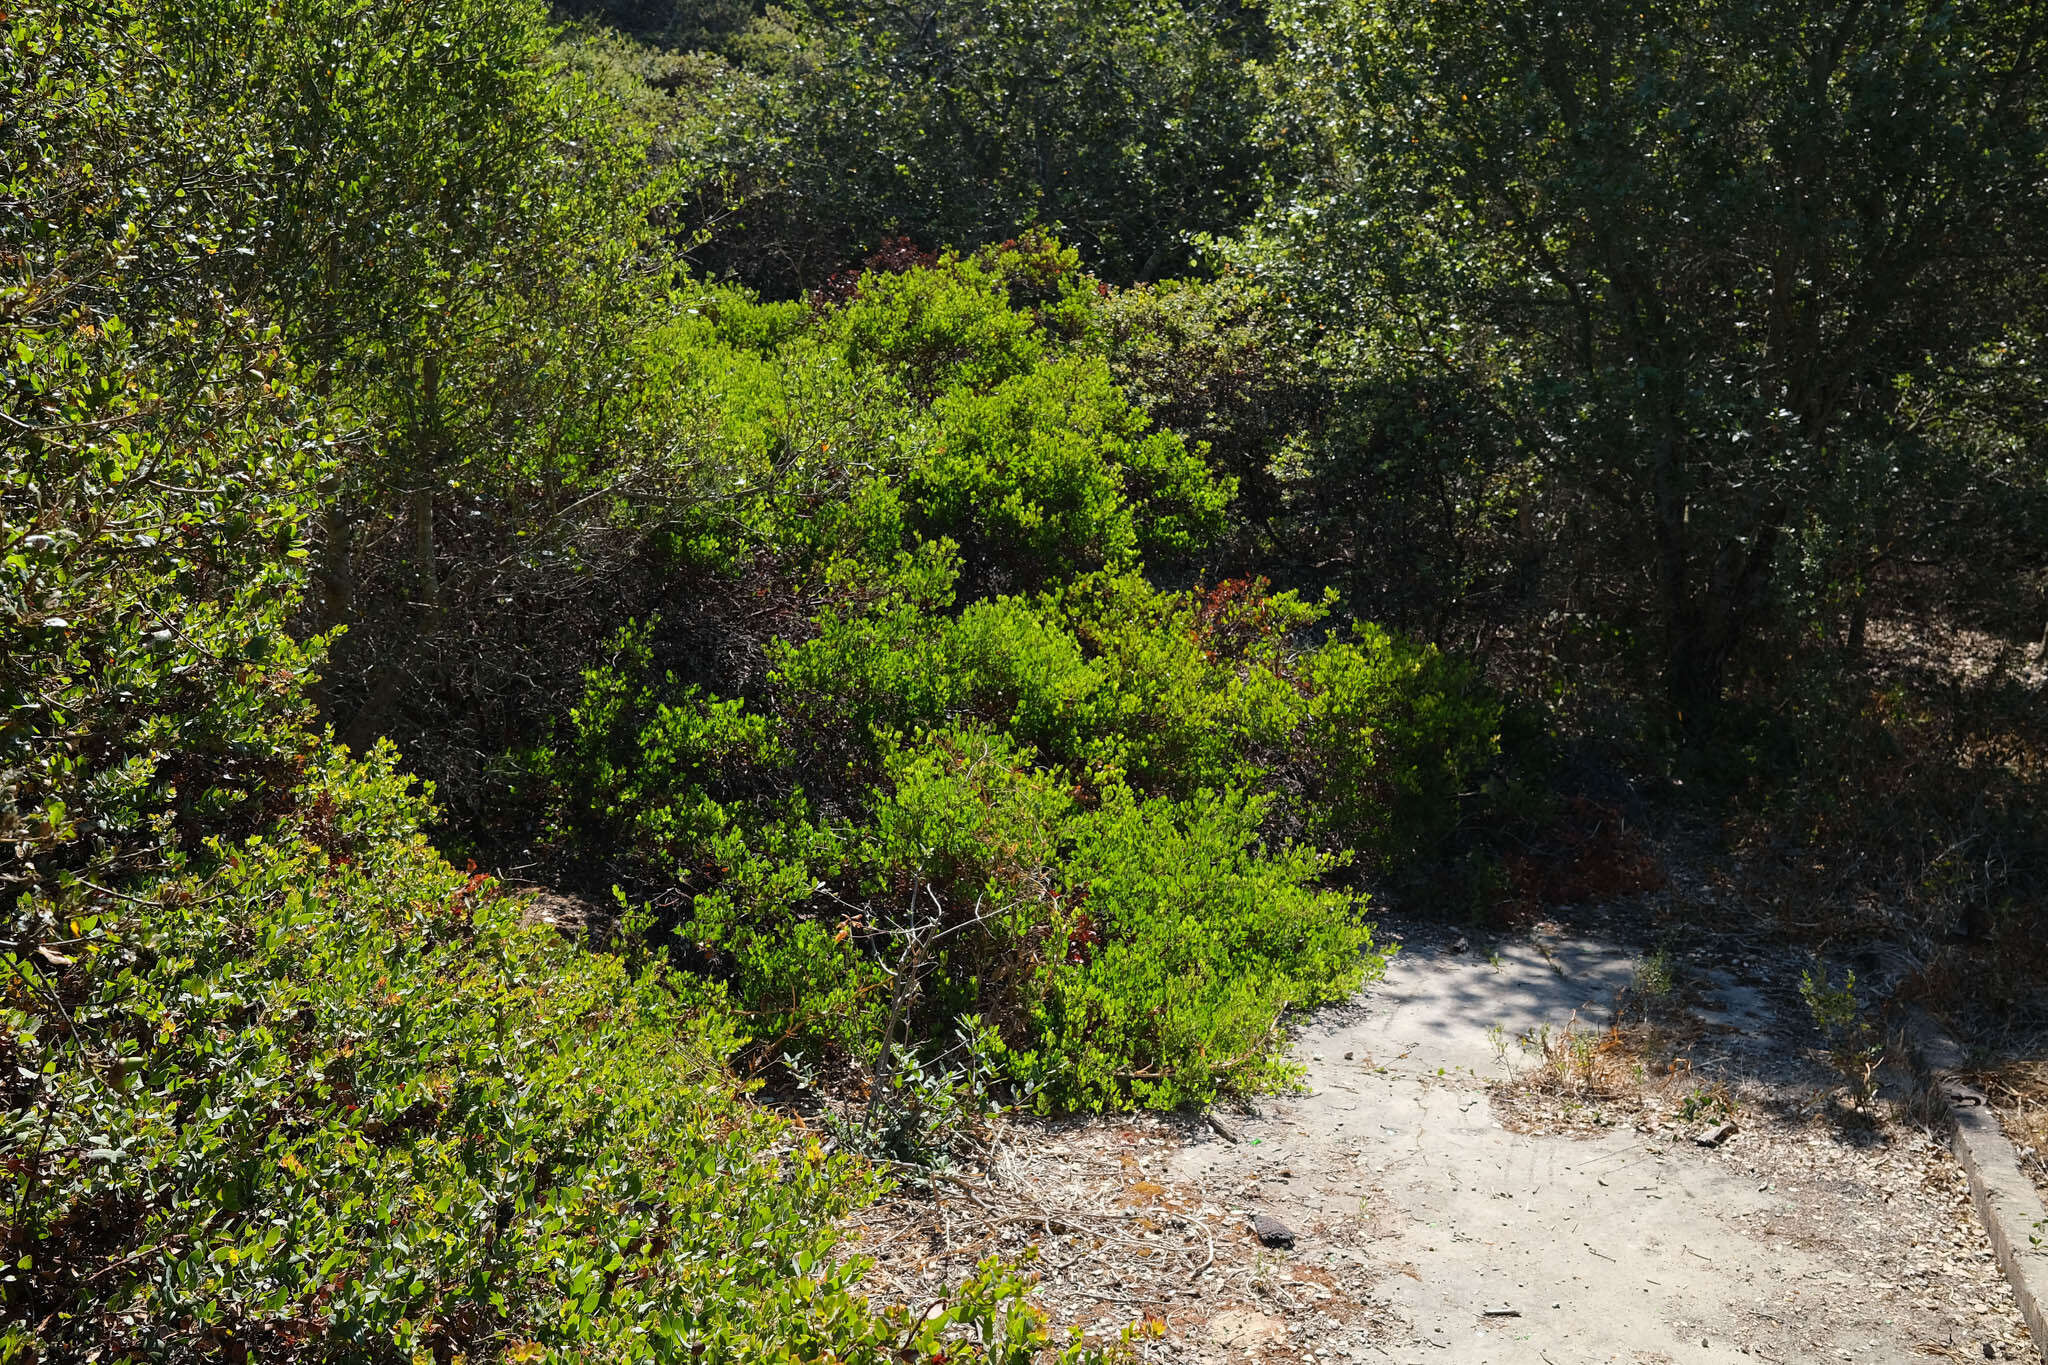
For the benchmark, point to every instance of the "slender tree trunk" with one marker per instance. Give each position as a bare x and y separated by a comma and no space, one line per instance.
1708,629
336,579
1692,682
427,452
392,669
420,518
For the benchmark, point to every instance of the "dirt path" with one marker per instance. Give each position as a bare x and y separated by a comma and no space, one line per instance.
1453,1203
1795,1239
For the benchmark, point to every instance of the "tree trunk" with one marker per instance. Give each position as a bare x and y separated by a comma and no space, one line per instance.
336,579
1706,632
1691,683
420,513
1694,675
427,453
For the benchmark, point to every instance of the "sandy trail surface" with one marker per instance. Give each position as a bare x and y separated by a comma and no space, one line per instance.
1447,1207
1796,1238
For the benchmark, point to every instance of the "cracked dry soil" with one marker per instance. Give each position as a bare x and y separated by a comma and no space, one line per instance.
1449,1210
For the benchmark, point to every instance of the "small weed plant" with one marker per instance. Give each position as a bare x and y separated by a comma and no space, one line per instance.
1567,1056
1707,1104
1654,975
1853,1046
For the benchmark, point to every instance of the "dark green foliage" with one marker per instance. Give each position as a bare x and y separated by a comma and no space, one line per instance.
684,25
1702,270
1125,124
1216,361
451,234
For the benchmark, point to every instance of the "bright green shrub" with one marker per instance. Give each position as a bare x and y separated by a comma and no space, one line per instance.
1035,463
735,392
1126,951
1023,475
1106,674
976,878
966,817
1181,704
1031,813
956,387
876,665
662,770
807,448
1022,673
895,660
338,1101
1137,951
790,419
946,877
1188,940
1053,472
948,326
741,320
807,986
1396,731
960,862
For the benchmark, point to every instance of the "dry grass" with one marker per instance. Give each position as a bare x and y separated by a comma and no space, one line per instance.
1637,1069
2018,1092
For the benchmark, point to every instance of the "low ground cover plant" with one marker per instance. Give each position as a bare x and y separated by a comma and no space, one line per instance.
335,1099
